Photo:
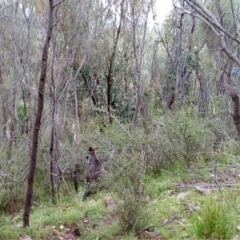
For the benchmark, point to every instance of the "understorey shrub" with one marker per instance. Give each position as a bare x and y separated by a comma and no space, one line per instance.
125,181
187,138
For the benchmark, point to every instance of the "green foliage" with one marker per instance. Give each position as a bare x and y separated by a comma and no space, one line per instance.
215,220
230,147
125,181
183,137
187,137
94,80
22,111
142,171
11,200
170,74
124,106
188,61
12,180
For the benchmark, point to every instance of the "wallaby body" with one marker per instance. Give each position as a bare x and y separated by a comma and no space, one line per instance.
95,170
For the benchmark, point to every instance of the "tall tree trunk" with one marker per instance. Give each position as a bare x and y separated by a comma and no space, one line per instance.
110,69
138,51
26,62
53,160
76,113
12,106
37,124
233,94
4,103
53,151
178,94
227,44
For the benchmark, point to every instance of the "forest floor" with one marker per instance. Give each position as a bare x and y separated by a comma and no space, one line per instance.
173,203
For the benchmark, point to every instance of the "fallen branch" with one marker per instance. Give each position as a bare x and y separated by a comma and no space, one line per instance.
205,186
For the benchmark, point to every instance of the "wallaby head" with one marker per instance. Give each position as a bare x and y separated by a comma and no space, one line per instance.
92,158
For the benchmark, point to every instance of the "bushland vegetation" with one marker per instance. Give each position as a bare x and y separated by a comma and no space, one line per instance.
159,101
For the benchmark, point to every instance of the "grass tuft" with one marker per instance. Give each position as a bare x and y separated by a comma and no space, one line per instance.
215,220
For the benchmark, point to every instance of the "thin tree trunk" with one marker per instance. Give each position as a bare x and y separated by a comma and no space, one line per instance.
138,51
72,78
53,151
91,91
233,94
76,112
14,93
228,70
53,161
110,69
4,103
179,74
37,125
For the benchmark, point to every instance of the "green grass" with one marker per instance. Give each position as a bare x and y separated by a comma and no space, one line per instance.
194,216
217,219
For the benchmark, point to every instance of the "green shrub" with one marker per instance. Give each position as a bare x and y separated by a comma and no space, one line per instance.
125,181
186,138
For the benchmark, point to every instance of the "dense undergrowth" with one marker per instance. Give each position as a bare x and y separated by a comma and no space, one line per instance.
177,181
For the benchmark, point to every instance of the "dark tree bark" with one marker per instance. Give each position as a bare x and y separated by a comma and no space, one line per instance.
233,94
227,44
37,125
55,172
53,166
91,90
110,69
53,151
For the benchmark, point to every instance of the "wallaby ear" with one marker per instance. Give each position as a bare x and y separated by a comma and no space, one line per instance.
92,149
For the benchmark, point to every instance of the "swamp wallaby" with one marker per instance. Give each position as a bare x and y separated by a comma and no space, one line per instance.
94,172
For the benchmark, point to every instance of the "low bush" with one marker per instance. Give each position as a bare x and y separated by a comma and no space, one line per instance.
125,180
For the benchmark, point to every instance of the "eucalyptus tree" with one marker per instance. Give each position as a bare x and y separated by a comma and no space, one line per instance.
77,29
140,12
178,37
116,72
3,85
20,41
102,73
38,119
10,72
222,18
